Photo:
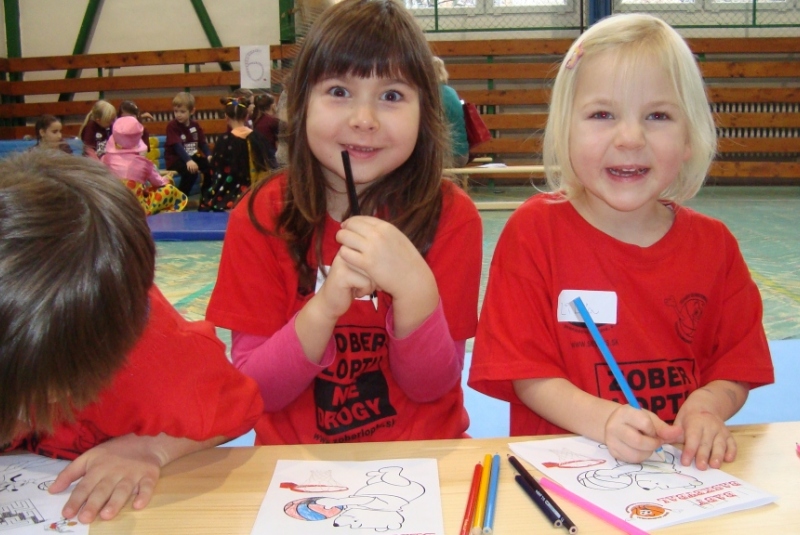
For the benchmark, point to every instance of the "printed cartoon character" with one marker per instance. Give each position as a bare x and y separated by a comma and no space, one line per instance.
647,511
377,505
648,475
62,526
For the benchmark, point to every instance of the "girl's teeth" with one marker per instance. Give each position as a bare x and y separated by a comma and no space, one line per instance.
627,172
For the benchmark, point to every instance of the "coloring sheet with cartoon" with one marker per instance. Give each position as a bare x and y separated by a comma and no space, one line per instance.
25,505
395,496
649,495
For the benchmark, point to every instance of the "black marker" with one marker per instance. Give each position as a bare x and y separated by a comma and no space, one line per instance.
542,498
352,196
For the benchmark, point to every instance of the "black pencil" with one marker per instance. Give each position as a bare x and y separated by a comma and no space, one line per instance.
352,196
551,514
565,520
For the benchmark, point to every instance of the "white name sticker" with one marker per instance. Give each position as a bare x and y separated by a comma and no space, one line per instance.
602,306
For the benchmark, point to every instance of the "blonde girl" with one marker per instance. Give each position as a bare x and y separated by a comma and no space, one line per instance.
96,129
629,138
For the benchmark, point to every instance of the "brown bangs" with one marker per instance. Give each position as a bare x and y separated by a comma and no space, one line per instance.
381,49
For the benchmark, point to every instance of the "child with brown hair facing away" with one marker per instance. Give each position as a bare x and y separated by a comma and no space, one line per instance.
128,108
335,364
240,159
48,134
123,156
266,123
96,129
185,148
96,366
629,137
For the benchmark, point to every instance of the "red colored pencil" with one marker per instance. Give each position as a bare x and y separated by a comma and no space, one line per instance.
472,500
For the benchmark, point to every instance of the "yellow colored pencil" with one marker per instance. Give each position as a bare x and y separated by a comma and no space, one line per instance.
480,507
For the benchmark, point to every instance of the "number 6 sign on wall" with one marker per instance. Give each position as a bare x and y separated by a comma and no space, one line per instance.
254,65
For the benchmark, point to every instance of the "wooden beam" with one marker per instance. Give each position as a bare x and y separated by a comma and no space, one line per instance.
82,107
744,45
515,121
757,120
119,83
502,71
750,170
759,144
494,97
753,94
124,59
751,69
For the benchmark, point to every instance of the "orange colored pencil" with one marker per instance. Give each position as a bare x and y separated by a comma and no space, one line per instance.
472,500
480,506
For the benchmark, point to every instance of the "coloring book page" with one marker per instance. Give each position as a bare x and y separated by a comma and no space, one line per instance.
649,495
25,505
397,496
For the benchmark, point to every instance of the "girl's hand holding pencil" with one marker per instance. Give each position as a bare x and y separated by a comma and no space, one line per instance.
380,251
633,435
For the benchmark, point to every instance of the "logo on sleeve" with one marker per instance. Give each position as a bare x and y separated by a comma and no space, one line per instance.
689,310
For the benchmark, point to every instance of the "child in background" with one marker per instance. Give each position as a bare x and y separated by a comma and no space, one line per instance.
128,108
96,128
185,149
266,123
629,138
333,365
246,95
48,134
454,112
240,159
96,365
123,156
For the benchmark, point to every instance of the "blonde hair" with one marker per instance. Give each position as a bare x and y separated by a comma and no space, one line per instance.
184,99
441,70
635,38
101,111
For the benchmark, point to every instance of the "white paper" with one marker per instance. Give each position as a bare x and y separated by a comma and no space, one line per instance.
25,505
602,306
648,495
254,67
396,496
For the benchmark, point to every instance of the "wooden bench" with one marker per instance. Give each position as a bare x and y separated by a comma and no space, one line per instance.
754,90
120,77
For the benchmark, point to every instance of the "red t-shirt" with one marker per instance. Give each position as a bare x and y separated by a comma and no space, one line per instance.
688,312
191,136
355,399
177,380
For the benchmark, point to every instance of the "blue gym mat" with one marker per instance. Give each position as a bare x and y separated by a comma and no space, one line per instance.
188,226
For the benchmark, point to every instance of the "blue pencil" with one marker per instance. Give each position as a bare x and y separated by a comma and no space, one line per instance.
491,497
601,345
